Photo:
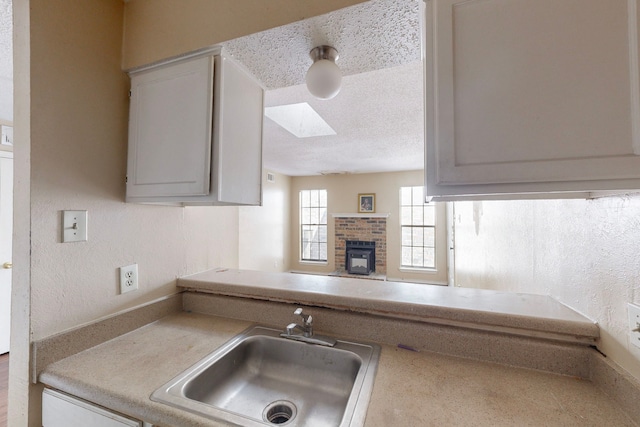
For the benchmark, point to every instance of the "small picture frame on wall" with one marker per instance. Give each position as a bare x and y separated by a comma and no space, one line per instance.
366,203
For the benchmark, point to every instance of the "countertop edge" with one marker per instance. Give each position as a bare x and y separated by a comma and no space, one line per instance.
573,327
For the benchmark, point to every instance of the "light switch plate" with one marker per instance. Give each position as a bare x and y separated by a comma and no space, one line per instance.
634,324
74,226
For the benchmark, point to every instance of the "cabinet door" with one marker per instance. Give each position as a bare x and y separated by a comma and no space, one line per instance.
62,410
170,130
531,96
237,135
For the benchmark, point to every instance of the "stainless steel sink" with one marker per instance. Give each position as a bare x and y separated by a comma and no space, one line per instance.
259,378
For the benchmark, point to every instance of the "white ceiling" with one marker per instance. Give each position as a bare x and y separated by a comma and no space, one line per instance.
378,114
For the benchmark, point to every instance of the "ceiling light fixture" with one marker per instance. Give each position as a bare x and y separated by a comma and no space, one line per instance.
324,77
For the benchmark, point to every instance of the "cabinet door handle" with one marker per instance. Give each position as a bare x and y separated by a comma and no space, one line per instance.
7,265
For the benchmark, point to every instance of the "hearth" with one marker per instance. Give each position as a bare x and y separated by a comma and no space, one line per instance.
360,257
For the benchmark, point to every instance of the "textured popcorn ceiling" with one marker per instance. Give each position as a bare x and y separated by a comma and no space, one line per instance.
378,115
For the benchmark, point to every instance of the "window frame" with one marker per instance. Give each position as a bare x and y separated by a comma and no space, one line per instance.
301,227
437,274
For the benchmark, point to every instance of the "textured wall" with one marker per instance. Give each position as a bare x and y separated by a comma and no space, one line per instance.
79,115
264,231
156,29
582,252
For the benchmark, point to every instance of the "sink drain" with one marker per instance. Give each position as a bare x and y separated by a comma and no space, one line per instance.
279,412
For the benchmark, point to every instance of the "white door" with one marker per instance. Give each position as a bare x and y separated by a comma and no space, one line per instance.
6,229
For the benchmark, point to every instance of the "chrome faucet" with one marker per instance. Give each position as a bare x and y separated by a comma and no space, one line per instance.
307,324
306,330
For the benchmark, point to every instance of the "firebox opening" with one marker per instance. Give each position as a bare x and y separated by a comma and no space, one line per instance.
360,257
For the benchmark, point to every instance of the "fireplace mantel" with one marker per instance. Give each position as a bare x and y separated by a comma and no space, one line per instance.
360,215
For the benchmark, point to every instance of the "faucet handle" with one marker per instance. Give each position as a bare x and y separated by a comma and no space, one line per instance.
306,318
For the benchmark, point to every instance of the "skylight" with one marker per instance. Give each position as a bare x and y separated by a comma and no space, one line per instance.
299,119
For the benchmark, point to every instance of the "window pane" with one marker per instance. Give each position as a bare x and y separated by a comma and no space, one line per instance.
418,199
315,218
405,196
417,257
429,237
323,197
417,236
406,256
322,234
429,258
323,216
304,198
417,216
323,252
405,215
406,236
429,214
305,216
314,198
315,251
306,251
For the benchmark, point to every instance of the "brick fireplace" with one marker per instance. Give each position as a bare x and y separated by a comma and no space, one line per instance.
363,227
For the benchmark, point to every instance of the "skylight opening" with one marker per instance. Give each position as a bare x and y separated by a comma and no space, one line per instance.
301,120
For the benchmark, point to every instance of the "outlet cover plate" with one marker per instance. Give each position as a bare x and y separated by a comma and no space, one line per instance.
634,323
74,226
128,278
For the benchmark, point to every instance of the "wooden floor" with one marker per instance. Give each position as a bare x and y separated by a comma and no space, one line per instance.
4,385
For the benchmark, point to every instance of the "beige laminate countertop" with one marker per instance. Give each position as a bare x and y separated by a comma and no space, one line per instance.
411,388
474,308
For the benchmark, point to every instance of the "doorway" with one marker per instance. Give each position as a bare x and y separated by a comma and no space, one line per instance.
6,230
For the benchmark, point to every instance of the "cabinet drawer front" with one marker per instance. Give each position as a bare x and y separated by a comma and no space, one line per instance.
62,410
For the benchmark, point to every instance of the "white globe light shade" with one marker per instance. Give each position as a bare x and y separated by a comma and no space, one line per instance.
324,79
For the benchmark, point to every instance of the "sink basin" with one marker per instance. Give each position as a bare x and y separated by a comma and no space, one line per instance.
259,378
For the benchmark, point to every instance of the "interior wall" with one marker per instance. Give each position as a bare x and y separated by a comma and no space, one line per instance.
264,231
582,252
342,197
78,162
19,372
157,29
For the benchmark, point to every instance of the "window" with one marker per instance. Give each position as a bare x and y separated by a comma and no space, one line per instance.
313,225
418,228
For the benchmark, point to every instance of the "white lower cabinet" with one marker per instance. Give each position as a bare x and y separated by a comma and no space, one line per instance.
63,410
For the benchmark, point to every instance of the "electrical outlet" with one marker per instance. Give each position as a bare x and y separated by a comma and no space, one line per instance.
128,278
634,324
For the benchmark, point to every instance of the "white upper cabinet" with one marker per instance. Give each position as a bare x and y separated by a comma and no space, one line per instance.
195,133
531,96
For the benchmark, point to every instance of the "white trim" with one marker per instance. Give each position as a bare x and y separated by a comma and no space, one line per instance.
360,215
632,12
207,51
312,262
